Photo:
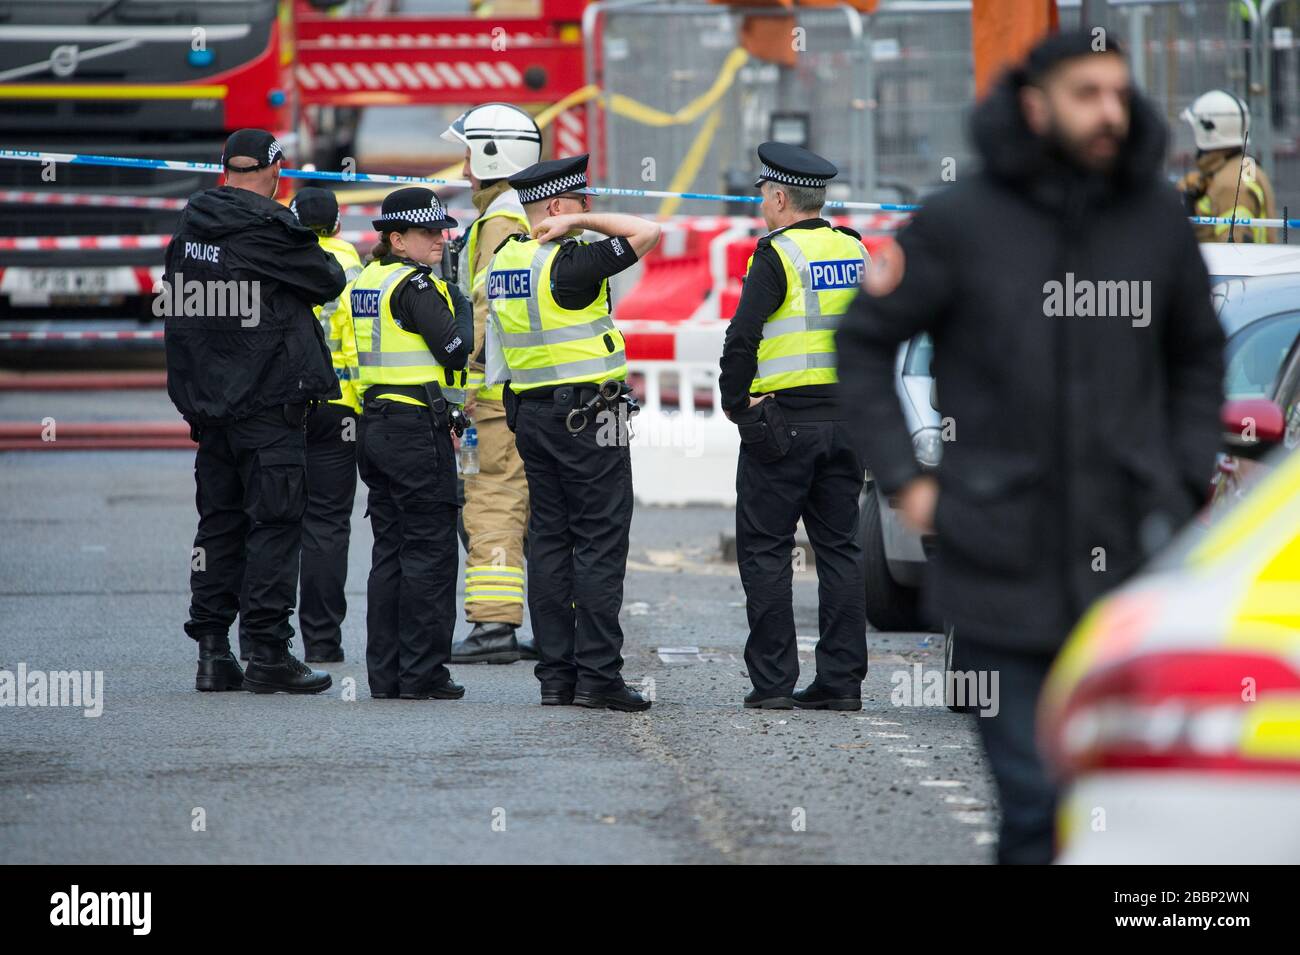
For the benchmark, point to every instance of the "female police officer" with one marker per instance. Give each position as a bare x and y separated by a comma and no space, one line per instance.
414,336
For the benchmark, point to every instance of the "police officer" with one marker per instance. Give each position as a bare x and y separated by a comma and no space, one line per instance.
242,370
778,385
331,450
413,335
552,336
499,140
1226,182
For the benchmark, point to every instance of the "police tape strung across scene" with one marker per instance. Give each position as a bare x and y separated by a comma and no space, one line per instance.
172,165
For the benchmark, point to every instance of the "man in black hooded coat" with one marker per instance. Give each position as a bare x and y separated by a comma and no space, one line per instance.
1079,441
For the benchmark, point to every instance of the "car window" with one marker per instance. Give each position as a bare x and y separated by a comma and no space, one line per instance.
1255,355
1287,395
919,353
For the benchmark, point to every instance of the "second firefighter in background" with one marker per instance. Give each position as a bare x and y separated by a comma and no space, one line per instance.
499,141
413,336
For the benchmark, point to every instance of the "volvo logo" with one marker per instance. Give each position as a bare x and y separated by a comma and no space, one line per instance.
63,61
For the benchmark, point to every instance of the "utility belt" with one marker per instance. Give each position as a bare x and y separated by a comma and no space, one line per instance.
442,414
294,414
584,401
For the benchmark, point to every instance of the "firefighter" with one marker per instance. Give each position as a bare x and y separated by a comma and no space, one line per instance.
779,386
552,339
1226,181
331,450
499,141
242,379
413,336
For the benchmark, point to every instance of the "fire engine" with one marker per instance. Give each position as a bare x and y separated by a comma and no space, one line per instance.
170,80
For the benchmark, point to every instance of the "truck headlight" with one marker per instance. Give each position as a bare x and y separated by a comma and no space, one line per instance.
927,445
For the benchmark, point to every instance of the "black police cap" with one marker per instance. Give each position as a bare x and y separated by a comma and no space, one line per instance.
555,177
412,206
255,144
316,208
793,166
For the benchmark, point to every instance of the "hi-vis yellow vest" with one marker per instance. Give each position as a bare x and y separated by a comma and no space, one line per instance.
542,342
823,269
388,354
471,280
336,322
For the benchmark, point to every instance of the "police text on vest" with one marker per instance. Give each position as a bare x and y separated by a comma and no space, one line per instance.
840,273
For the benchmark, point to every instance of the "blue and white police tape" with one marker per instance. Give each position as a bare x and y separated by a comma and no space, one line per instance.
176,165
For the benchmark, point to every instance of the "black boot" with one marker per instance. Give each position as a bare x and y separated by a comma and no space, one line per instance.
527,648
755,701
274,669
813,697
218,668
624,699
487,643
326,654
448,689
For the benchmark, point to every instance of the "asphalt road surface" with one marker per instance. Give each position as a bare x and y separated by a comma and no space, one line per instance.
93,576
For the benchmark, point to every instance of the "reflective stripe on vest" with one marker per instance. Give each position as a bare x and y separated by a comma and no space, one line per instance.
388,354
335,320
542,342
470,283
823,269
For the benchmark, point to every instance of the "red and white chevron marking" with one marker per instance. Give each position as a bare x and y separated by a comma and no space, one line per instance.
81,336
494,39
396,77
570,133
58,243
87,199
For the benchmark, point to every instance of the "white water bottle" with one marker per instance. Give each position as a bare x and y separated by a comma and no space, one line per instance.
469,451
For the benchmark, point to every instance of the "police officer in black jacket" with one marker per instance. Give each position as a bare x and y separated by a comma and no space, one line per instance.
245,361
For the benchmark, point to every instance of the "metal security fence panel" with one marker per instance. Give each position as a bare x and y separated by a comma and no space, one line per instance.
923,85
923,74
1278,59
682,107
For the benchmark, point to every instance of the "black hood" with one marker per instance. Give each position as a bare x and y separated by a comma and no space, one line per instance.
1012,153
225,210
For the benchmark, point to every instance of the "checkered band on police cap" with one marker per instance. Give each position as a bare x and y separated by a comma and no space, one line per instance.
555,187
435,213
790,179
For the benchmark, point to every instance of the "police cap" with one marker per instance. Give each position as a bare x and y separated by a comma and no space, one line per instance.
793,166
412,206
555,177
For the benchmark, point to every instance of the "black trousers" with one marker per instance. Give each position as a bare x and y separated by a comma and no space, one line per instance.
411,593
332,432
251,493
1025,790
819,480
580,499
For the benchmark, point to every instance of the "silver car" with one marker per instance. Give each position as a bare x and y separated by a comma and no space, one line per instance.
894,555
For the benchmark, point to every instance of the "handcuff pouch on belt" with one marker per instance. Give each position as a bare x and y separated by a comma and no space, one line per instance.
510,401
438,415
764,432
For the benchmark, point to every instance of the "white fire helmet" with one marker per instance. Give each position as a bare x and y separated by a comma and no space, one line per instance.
1219,120
502,140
